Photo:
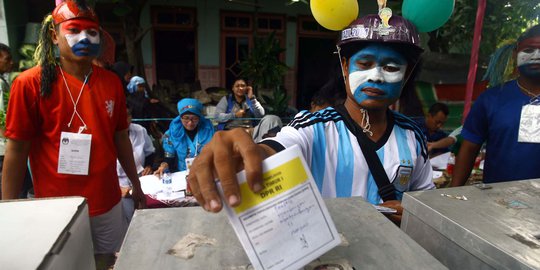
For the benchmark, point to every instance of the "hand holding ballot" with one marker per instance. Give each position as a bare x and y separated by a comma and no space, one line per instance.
226,154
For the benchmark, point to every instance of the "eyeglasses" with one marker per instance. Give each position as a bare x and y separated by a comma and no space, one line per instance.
193,119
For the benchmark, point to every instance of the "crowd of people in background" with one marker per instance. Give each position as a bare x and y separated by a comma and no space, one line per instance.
349,129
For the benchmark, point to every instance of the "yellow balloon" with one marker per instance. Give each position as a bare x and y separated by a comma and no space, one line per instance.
334,14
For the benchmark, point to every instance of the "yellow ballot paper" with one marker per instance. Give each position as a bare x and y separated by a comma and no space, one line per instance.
286,225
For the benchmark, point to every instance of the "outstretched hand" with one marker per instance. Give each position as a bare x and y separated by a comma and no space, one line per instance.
226,154
395,204
138,197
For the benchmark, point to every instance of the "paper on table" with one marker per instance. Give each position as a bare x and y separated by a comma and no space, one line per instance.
289,212
151,184
441,161
437,174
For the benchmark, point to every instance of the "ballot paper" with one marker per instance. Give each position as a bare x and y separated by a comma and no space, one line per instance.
286,225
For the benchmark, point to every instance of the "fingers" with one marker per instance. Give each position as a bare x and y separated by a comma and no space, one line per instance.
139,200
227,174
220,158
201,179
252,157
395,204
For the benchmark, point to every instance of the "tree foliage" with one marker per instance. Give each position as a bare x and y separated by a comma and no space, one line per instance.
503,20
129,14
262,65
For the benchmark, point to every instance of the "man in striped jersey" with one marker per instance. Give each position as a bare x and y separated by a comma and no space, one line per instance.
378,64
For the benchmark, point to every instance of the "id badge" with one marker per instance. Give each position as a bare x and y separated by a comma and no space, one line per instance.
529,124
74,154
189,162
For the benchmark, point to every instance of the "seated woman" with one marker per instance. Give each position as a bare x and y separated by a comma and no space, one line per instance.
187,135
241,103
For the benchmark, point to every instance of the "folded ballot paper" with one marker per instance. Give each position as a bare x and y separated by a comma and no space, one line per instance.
286,225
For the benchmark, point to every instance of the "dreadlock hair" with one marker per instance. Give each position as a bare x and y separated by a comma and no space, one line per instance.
44,56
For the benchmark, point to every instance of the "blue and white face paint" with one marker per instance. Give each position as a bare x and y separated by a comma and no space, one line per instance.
82,36
376,72
527,59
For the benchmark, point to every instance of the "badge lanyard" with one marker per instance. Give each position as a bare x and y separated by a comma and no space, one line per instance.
197,145
82,128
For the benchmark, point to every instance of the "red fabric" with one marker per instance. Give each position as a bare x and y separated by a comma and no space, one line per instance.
456,92
473,64
40,120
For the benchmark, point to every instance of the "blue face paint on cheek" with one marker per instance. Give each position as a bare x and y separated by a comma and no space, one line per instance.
529,71
391,91
377,67
85,48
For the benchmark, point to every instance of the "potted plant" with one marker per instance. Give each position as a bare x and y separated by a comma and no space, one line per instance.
264,68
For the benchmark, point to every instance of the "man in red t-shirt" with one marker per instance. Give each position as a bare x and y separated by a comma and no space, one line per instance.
69,118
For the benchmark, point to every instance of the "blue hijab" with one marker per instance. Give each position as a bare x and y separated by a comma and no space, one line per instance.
178,136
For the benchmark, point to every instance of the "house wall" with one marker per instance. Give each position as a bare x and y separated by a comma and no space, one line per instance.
208,34
13,18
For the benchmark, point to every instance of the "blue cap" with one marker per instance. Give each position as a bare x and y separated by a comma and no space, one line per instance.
190,105
132,85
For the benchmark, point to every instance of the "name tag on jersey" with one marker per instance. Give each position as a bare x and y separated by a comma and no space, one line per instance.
74,154
529,124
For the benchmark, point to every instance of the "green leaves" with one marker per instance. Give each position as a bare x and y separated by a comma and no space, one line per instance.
503,20
262,65
277,104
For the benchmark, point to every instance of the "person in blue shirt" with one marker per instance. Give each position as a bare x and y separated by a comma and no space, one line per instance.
187,135
506,118
432,125
378,64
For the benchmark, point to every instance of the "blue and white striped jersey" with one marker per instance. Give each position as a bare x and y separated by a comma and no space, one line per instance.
338,164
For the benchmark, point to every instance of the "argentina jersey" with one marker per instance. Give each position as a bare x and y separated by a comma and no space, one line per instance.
337,163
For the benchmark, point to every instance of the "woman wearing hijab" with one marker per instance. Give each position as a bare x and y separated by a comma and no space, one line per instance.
187,135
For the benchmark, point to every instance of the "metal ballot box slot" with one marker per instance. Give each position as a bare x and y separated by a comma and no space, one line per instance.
495,228
373,241
51,233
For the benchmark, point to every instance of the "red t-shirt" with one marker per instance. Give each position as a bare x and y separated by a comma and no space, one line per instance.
40,120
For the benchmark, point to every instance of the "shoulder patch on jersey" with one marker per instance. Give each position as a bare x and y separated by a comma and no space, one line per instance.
305,118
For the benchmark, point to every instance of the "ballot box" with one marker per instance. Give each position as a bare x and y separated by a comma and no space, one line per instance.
370,241
46,234
496,227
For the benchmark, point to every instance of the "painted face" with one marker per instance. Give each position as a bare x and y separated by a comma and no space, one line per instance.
528,57
82,37
375,73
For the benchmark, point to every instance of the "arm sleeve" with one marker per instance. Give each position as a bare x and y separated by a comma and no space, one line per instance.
22,119
258,109
422,176
289,136
148,145
475,128
120,107
168,147
221,108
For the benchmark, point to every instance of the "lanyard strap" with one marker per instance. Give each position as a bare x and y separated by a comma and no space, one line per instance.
77,101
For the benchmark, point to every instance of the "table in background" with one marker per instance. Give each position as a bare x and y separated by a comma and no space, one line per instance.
152,188
374,241
497,228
